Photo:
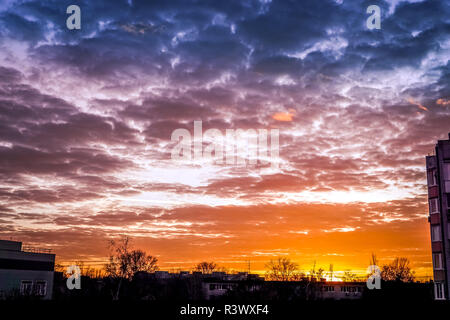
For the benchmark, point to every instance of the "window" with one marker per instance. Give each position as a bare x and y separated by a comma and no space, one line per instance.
446,171
434,208
26,287
435,233
40,288
349,289
447,178
328,288
439,291
218,286
432,181
437,261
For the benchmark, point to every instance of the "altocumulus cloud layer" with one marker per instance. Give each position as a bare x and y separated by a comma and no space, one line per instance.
86,118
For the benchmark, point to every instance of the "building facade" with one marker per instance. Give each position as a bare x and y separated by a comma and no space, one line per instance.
338,290
25,271
438,179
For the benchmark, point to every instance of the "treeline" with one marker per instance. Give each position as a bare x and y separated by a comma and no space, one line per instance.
129,275
284,269
124,262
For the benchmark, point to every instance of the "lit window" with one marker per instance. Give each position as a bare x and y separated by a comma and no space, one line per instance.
437,261
435,233
434,208
26,287
439,290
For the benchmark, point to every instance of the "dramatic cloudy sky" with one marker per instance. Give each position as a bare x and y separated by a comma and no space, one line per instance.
86,118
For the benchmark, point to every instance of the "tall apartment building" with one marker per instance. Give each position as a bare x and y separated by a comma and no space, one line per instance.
438,177
25,271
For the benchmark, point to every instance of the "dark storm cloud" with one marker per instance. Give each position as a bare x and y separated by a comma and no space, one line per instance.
167,109
444,81
201,33
23,110
290,25
47,135
78,130
54,195
17,27
9,75
408,51
19,160
432,13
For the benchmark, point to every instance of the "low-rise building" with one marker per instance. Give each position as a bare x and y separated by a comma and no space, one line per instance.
213,288
25,271
336,290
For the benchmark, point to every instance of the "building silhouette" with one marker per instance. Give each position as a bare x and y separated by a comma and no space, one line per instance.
438,179
25,271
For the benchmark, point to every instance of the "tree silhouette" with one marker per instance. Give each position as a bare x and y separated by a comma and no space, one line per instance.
397,270
320,273
283,269
206,267
349,276
373,260
125,262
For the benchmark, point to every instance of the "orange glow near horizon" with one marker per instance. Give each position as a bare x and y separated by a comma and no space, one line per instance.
299,232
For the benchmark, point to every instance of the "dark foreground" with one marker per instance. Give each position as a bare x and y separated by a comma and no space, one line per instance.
222,310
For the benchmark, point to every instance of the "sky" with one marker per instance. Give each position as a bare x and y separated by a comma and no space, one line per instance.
87,117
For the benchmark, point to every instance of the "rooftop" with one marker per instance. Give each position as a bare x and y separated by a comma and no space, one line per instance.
10,245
